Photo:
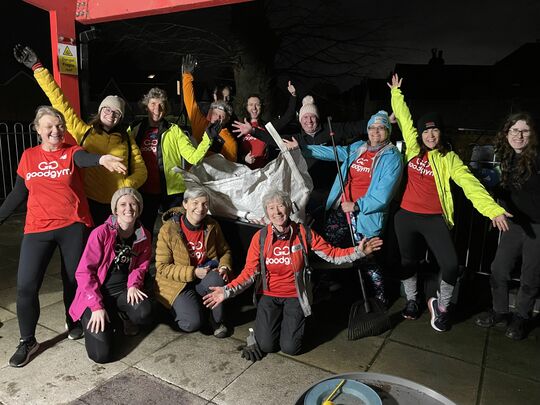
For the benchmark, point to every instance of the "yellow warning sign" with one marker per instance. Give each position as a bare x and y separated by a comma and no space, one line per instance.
67,59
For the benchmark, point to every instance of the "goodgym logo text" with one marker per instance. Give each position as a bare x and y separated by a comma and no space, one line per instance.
48,169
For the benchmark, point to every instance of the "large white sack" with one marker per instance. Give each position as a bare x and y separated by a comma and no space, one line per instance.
236,191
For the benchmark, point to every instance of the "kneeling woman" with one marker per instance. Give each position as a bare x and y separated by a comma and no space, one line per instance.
110,276
276,263
192,255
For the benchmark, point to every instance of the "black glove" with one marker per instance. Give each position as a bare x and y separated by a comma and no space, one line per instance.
25,55
188,64
213,133
252,352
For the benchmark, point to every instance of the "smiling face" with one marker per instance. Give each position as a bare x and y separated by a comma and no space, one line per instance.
431,137
156,110
309,123
518,135
196,209
377,134
217,114
277,213
109,117
253,107
127,211
51,130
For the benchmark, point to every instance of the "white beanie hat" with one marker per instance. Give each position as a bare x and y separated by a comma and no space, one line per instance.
126,191
114,103
308,107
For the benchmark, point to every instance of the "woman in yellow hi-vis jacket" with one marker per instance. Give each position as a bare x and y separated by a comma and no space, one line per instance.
103,134
427,207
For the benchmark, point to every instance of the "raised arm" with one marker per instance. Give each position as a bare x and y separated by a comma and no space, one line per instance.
289,113
74,124
403,116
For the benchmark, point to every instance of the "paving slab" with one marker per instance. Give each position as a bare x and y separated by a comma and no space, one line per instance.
6,315
60,374
274,380
453,378
136,387
54,317
519,358
464,341
9,339
339,355
503,388
50,292
136,348
202,365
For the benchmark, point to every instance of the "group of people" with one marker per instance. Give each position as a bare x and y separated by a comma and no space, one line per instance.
104,270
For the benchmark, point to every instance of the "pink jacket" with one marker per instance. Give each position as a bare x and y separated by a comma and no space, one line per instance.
96,260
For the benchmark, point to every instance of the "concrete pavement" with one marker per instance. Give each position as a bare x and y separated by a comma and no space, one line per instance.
469,365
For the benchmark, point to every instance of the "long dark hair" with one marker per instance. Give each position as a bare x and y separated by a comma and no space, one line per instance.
247,115
516,175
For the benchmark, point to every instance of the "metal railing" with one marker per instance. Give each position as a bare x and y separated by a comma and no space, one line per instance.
14,139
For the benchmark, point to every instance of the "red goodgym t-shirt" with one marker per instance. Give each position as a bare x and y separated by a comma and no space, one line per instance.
56,196
359,176
421,194
279,271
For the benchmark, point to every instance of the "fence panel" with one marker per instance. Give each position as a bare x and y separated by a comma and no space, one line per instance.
14,139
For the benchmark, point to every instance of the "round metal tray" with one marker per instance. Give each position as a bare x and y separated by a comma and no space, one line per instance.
392,390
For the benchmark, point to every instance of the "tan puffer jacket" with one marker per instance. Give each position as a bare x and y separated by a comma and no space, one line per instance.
173,268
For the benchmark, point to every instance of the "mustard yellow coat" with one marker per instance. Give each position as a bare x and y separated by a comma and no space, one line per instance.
99,183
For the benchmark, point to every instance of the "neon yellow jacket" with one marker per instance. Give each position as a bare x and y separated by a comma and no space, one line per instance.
99,183
173,145
446,167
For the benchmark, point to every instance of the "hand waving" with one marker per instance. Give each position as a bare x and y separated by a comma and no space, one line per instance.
25,55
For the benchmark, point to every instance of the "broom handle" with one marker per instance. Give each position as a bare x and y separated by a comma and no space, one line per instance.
347,215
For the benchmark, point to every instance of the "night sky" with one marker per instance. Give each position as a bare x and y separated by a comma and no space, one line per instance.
469,32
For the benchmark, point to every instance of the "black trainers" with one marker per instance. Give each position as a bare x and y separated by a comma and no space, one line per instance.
24,351
411,310
517,329
75,330
492,318
439,320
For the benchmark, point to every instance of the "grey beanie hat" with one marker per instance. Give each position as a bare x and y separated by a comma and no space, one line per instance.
126,191
114,103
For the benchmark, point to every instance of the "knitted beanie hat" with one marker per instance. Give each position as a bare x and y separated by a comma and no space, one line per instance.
381,118
126,191
223,106
308,107
114,103
429,120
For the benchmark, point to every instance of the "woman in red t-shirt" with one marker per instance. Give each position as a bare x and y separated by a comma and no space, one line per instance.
277,264
57,215
427,207
253,151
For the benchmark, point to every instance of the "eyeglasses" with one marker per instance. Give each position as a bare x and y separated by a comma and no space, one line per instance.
376,129
514,132
109,111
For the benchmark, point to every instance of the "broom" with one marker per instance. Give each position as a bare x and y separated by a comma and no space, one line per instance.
368,316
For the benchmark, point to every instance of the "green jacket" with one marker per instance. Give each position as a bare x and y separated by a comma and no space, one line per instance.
446,167
173,145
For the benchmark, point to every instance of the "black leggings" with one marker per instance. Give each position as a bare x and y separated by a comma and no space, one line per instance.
36,252
412,230
99,345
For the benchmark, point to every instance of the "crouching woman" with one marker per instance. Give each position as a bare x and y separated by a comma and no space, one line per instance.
277,264
110,276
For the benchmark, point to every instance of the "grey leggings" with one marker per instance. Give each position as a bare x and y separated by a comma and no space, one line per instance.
517,242
187,307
